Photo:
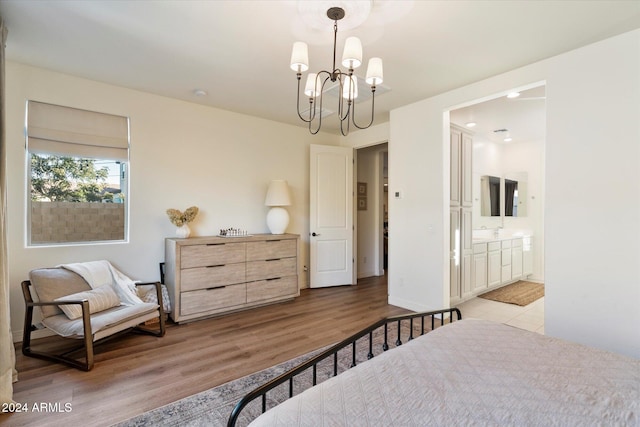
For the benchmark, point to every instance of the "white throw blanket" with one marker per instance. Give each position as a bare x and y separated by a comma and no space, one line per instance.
100,273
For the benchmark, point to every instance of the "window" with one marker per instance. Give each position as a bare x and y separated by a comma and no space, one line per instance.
77,175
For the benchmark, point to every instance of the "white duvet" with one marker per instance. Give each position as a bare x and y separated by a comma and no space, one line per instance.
474,372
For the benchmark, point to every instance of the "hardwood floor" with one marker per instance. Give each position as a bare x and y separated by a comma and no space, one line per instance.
136,373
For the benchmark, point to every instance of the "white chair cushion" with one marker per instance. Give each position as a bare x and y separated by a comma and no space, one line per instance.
61,325
100,299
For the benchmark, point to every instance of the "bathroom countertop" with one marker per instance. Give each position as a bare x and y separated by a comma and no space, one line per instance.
499,238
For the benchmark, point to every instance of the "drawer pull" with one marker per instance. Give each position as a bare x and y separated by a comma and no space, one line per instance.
216,287
273,259
274,278
215,266
216,244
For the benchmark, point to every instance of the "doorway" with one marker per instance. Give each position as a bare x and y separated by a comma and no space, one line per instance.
508,146
371,212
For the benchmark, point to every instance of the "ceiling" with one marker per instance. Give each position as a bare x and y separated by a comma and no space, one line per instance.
523,118
238,51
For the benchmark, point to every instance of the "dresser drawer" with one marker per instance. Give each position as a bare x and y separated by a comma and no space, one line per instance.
270,249
212,254
211,299
269,269
272,288
208,277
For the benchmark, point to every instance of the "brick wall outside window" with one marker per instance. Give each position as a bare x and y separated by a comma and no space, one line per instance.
60,222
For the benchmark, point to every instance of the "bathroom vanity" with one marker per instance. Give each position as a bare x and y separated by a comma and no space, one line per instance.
500,260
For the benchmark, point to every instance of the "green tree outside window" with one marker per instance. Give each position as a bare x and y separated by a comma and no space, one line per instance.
66,179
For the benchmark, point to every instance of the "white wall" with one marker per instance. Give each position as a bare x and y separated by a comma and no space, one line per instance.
592,209
182,154
592,189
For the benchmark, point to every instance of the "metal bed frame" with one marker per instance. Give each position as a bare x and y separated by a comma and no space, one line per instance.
261,392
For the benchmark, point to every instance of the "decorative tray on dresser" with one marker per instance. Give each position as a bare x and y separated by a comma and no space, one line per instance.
214,275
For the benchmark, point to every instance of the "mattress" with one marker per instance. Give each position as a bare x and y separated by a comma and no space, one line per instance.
474,372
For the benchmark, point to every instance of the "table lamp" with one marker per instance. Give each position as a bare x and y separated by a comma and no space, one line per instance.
278,196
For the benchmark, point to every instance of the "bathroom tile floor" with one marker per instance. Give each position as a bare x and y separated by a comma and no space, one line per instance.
529,317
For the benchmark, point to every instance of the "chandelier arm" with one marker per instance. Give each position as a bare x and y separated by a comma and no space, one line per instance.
335,38
311,131
320,102
342,131
373,104
299,75
342,114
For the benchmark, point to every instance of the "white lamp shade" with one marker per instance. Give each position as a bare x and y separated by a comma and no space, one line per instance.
352,55
277,220
374,72
350,88
300,57
312,88
278,193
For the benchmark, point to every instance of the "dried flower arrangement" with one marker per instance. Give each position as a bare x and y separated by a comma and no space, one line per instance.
178,218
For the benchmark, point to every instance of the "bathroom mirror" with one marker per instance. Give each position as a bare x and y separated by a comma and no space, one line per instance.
489,195
515,194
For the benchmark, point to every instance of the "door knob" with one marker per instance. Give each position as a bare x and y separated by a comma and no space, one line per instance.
314,234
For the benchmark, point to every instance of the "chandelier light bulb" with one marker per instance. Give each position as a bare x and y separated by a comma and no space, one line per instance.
312,88
374,72
350,88
352,55
300,57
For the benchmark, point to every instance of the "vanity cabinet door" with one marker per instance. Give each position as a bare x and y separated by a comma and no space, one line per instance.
516,259
527,256
454,255
466,244
479,267
455,166
494,274
466,184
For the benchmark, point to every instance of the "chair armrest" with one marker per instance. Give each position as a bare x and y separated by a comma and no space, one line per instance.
56,303
158,286
148,283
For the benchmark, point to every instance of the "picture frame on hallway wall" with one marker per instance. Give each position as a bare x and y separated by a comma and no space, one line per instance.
362,203
362,189
362,196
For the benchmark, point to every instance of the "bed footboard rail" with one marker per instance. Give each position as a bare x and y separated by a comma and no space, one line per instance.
418,323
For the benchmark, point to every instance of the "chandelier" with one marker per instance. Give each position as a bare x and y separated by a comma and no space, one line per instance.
348,83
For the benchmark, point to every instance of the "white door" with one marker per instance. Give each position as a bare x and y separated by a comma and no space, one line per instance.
330,216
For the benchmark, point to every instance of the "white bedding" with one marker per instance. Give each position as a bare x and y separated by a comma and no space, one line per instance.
474,372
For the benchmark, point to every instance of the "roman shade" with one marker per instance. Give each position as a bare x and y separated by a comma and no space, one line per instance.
66,131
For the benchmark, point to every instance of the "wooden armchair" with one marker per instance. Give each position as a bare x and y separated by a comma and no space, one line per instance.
72,309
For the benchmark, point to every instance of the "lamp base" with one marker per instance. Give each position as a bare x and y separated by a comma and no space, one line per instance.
277,220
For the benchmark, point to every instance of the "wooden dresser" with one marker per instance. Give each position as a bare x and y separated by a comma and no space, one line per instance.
209,276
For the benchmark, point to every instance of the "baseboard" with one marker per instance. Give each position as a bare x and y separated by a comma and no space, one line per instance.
410,305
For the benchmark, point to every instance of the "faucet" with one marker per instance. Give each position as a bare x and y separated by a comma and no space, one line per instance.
496,232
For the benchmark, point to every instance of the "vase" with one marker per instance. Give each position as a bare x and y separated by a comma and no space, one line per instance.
183,231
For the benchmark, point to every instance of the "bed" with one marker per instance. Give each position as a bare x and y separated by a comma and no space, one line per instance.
465,372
